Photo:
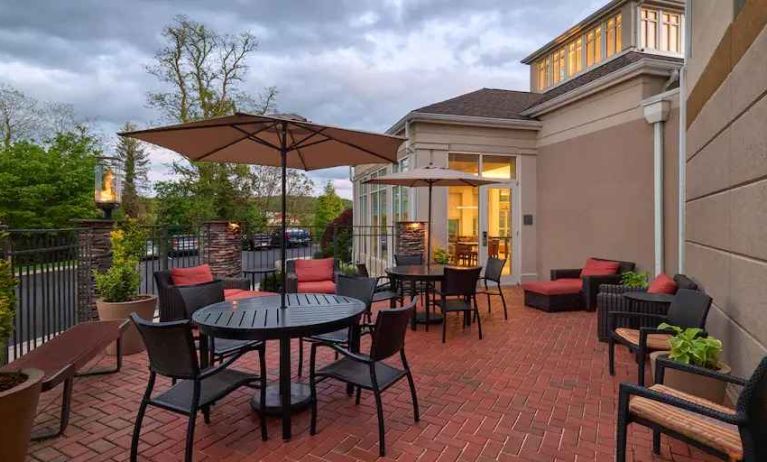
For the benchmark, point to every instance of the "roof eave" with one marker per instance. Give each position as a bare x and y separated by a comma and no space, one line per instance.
454,119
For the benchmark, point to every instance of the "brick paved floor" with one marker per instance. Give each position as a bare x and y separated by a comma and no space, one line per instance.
536,389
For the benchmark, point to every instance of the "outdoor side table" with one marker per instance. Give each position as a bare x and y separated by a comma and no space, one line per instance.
252,272
262,318
642,302
419,273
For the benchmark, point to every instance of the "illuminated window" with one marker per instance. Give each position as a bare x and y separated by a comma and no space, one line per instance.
594,46
614,31
649,28
671,33
560,67
542,74
548,70
575,56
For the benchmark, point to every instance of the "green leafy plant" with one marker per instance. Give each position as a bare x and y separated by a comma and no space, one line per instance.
634,279
348,269
272,282
688,346
120,283
441,256
7,301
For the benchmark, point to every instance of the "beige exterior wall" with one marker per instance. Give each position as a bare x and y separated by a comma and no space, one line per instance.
726,195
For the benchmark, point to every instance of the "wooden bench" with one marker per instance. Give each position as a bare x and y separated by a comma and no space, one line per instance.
62,358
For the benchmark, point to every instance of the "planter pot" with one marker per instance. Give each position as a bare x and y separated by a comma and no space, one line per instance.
18,407
144,306
705,387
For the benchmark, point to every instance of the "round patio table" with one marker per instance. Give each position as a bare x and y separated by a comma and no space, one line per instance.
262,318
419,273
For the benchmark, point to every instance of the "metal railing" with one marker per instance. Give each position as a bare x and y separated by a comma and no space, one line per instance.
170,247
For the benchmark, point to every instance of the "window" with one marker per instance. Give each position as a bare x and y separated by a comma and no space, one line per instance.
649,28
671,33
542,74
593,46
463,209
548,70
400,194
560,65
575,56
614,31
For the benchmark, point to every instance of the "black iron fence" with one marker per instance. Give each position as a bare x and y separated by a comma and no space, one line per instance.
170,247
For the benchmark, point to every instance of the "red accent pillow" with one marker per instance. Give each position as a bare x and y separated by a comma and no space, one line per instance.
594,267
191,276
662,284
314,270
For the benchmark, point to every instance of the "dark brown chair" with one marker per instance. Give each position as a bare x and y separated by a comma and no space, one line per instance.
418,288
354,287
493,273
369,372
171,307
172,353
689,309
738,434
406,260
458,294
386,288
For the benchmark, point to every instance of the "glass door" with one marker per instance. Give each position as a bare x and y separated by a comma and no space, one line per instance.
499,232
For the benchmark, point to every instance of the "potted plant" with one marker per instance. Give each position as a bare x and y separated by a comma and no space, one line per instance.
118,287
19,390
634,280
441,256
688,346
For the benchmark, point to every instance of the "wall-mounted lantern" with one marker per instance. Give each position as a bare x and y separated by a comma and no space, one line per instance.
108,185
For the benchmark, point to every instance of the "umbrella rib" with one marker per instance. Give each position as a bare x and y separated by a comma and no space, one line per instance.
298,151
349,144
254,138
297,144
247,135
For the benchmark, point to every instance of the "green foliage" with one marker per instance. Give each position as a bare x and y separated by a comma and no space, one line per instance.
120,283
337,238
327,207
347,269
634,279
688,346
135,161
272,282
7,298
48,186
440,256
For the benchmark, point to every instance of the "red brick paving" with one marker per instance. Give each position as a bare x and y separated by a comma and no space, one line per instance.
535,389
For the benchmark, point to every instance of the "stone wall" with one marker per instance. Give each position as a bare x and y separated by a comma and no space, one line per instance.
222,248
410,237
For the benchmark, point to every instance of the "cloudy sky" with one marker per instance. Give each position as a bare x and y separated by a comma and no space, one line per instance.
356,63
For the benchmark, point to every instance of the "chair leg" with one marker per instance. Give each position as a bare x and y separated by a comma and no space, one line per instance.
262,407
140,418
640,369
503,300
411,383
479,321
189,448
206,414
620,446
300,356
381,430
66,404
444,325
656,442
313,392
611,355
358,396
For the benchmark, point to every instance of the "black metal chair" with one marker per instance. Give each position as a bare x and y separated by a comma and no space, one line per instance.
386,288
170,306
730,434
419,288
689,309
354,287
172,353
369,372
493,273
199,296
461,284
405,260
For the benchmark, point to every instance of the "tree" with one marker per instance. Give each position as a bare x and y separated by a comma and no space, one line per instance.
48,186
135,162
25,118
327,207
266,183
203,70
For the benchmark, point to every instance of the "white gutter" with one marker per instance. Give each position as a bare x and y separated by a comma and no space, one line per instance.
682,212
451,119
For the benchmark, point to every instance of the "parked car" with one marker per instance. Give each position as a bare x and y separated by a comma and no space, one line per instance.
184,245
296,237
152,250
260,241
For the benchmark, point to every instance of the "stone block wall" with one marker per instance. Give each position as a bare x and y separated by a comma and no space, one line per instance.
410,237
222,248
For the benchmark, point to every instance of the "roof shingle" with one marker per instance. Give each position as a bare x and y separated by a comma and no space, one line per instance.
487,102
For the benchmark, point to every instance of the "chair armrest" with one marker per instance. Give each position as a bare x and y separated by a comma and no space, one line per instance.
613,315
591,285
572,273
344,351
291,283
627,390
664,362
236,283
619,289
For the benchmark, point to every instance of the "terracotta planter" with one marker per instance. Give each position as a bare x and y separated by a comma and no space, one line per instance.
705,387
144,306
18,407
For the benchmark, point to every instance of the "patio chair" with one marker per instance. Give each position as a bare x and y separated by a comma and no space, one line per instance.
354,287
172,354
689,309
458,294
202,295
369,371
386,289
311,276
738,434
493,273
411,259
418,288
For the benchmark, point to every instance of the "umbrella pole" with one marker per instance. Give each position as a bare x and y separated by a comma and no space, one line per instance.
284,231
428,239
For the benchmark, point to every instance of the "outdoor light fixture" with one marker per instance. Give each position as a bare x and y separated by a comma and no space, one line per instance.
107,185
233,227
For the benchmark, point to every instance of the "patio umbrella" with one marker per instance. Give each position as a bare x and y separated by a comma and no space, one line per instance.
431,176
285,141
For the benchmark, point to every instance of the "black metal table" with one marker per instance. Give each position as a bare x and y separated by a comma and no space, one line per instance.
419,273
261,318
252,272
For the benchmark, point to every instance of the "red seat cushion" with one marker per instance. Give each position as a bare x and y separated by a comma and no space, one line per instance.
191,276
317,287
662,284
556,287
237,294
314,270
594,267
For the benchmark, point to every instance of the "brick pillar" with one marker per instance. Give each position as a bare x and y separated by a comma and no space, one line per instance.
95,254
410,237
222,248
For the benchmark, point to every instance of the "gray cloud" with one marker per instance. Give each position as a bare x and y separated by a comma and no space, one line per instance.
357,63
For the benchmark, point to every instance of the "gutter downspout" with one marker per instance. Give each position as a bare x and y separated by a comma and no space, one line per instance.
682,194
656,113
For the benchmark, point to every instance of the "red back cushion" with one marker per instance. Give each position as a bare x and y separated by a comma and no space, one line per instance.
191,276
594,267
662,284
314,270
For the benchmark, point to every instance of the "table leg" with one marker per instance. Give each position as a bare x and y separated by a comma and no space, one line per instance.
204,353
285,387
354,346
412,296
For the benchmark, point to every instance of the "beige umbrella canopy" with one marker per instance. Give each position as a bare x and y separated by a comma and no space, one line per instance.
281,141
431,176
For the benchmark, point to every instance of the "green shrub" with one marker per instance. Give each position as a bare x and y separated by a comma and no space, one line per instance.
7,300
441,256
689,347
272,282
348,269
120,283
634,280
